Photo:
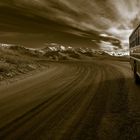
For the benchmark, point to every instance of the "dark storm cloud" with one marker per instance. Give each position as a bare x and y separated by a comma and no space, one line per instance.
72,22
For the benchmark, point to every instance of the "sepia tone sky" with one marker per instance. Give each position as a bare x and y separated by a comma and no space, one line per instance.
104,24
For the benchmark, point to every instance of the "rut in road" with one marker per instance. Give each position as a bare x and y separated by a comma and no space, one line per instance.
71,104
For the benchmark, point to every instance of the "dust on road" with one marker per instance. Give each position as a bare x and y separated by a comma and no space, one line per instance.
73,100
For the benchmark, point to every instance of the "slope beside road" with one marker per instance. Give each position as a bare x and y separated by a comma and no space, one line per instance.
72,101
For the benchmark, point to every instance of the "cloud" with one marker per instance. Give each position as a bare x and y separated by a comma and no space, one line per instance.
107,46
73,21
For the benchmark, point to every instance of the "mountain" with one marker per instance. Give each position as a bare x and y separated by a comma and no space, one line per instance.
53,51
58,51
16,59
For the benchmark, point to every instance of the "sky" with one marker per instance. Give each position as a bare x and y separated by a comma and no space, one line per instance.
99,24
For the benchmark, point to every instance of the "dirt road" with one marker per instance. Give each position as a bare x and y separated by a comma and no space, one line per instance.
72,101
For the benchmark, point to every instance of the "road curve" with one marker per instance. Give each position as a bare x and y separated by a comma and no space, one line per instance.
95,100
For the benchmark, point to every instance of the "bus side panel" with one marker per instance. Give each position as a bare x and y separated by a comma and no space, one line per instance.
138,68
135,53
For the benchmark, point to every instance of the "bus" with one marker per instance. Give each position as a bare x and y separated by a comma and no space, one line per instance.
134,45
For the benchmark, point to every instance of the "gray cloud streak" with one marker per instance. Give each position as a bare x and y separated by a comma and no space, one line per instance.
69,21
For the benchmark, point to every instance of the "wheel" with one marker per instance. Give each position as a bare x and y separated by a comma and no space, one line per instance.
136,77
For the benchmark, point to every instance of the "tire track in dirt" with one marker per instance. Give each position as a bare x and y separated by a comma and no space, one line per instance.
85,100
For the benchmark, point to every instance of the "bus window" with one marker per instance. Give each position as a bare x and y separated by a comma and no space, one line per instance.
134,41
139,35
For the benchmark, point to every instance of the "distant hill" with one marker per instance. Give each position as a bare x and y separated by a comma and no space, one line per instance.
57,51
16,59
54,51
